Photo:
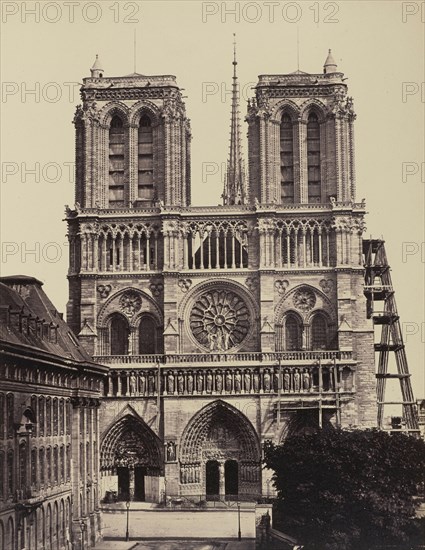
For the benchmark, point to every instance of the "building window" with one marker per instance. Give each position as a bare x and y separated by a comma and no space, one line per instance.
145,159
9,414
49,464
61,417
10,473
33,466
41,414
55,464
293,333
55,416
23,466
313,159
68,462
41,465
62,464
2,415
48,416
319,333
147,336
34,403
116,161
287,160
2,465
119,333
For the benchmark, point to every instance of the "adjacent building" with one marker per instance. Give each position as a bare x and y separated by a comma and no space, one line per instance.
50,393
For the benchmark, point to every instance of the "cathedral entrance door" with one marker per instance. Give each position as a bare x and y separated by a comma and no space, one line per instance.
231,478
212,476
139,483
123,483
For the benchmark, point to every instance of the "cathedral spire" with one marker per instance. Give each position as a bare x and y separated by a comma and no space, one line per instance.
235,185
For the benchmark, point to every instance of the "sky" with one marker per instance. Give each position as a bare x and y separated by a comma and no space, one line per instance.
48,47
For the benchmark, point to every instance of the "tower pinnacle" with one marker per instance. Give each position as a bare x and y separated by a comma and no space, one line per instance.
330,66
235,185
97,69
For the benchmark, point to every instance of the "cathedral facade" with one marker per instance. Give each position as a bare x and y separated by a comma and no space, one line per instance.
224,326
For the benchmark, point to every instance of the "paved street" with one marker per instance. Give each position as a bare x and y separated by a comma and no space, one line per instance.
150,524
176,545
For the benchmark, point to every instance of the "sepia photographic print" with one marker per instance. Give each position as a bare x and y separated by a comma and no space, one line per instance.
212,275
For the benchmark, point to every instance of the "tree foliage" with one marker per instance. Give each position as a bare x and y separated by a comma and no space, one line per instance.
344,490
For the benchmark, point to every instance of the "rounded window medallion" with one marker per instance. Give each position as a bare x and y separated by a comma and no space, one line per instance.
219,320
304,299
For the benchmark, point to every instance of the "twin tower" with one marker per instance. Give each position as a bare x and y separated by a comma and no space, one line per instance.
223,326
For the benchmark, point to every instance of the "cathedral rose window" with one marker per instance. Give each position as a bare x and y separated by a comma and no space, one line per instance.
219,320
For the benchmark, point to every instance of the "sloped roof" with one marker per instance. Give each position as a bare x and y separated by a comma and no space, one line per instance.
25,294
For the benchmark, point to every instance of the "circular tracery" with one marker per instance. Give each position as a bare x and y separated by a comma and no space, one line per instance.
219,320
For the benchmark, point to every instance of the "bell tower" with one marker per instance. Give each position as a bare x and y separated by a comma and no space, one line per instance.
132,142
300,138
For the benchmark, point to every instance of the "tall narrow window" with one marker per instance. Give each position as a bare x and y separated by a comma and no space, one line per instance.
116,162
41,465
10,414
293,334
313,159
41,415
10,473
23,466
287,160
147,336
119,333
33,466
145,159
319,332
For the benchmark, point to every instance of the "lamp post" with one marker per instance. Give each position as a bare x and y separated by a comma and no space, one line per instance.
83,529
239,521
127,534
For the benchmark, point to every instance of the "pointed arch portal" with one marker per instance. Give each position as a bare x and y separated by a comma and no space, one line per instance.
131,461
220,454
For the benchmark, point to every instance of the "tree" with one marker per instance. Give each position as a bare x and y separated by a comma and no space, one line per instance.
342,490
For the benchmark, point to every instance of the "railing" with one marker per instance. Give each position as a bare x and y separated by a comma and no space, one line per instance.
223,357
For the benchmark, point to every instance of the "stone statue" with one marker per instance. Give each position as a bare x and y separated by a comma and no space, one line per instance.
212,340
238,382
306,380
209,382
142,383
219,341
133,384
218,381
256,381
228,383
180,382
170,385
190,382
247,381
199,382
276,381
266,380
171,451
151,382
226,338
286,381
297,378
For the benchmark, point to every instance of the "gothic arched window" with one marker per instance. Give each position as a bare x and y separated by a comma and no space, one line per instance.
41,415
116,161
313,159
145,181
319,332
293,333
119,332
147,336
10,472
286,160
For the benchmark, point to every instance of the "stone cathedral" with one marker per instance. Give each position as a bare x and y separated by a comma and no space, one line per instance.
222,326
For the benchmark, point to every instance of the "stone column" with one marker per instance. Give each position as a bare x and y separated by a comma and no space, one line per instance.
222,481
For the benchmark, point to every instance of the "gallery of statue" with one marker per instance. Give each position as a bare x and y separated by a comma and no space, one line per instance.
223,326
